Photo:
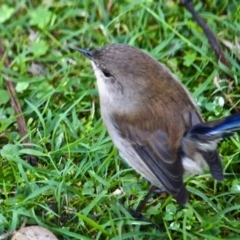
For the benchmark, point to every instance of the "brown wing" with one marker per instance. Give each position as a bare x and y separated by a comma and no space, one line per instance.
151,140
163,163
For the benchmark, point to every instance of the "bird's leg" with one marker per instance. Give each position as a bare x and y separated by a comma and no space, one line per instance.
137,213
143,203
151,191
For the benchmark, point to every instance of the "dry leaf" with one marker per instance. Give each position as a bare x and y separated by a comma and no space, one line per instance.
33,232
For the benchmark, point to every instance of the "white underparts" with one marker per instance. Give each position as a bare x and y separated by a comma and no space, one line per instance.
209,146
195,166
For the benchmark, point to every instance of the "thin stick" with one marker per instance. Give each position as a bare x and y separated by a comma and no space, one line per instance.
209,34
22,128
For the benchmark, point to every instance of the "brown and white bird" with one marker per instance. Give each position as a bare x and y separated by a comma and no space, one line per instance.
153,121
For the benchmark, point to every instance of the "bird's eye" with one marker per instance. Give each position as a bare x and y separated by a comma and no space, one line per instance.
106,73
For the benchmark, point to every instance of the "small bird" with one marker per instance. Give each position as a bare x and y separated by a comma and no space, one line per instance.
153,121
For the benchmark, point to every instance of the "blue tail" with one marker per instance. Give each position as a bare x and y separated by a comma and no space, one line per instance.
216,130
203,139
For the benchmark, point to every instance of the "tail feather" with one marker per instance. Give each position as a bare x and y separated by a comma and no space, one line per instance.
216,130
214,162
204,137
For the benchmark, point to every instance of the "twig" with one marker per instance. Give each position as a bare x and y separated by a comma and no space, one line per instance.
22,128
209,34
213,42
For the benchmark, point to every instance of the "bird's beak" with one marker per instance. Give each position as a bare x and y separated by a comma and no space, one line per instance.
86,53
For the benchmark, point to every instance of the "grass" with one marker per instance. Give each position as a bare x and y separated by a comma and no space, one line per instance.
76,189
